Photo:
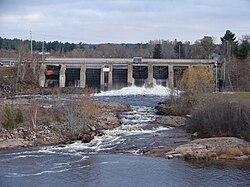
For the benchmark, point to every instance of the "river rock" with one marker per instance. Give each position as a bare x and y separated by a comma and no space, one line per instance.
162,109
86,138
11,143
170,108
211,148
171,121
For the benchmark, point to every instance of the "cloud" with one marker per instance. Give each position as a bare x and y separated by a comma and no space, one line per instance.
31,17
96,21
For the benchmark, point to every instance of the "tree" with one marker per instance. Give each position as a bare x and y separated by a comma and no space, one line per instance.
242,50
179,50
23,55
229,43
168,49
195,82
207,44
229,36
203,48
157,52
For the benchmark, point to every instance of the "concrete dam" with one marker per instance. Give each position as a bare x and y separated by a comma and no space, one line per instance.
114,73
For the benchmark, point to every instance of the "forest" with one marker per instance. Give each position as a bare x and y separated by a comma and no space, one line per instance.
200,49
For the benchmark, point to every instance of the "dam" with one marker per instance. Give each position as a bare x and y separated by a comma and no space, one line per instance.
114,73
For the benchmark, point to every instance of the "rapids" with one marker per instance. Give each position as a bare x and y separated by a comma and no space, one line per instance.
116,158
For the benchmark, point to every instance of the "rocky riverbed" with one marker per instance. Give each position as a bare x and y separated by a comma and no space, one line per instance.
50,131
182,145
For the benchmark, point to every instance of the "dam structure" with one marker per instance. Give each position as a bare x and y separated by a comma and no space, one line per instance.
114,73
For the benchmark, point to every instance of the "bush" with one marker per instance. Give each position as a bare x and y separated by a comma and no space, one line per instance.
8,123
19,116
214,116
80,116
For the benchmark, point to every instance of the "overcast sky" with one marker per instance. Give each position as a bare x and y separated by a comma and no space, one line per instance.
123,21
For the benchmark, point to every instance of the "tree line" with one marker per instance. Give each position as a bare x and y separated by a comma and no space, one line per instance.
201,49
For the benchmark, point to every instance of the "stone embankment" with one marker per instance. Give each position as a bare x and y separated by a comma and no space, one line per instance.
205,148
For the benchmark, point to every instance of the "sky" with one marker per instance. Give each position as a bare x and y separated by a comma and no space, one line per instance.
123,21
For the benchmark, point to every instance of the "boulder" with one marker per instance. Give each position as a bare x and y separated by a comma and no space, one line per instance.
213,148
171,121
86,138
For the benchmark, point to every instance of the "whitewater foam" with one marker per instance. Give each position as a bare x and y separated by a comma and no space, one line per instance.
134,90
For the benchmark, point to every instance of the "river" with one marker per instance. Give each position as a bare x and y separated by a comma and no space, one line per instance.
116,158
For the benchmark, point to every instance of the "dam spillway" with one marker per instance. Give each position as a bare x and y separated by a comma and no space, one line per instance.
114,73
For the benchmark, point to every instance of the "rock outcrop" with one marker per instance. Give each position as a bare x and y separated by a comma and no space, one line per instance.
213,148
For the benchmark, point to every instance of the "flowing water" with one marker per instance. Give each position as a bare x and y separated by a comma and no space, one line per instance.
116,158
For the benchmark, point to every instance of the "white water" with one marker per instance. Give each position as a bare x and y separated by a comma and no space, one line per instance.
134,123
134,90
81,164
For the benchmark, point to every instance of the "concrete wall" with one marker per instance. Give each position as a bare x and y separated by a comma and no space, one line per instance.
106,70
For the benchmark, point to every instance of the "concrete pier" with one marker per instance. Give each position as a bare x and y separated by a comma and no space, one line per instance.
110,77
150,75
83,76
130,74
170,76
42,77
62,77
102,83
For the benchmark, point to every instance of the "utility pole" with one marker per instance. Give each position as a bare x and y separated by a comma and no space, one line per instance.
43,51
31,47
179,50
216,76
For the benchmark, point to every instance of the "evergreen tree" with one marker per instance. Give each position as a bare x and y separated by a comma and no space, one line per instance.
19,115
229,42
242,50
8,123
179,50
229,36
157,52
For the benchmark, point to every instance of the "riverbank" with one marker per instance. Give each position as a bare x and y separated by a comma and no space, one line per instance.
52,127
229,148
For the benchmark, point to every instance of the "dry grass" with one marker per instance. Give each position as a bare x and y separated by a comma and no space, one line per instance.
233,151
246,150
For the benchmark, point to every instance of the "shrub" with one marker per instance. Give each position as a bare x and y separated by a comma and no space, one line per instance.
80,116
19,116
214,116
8,123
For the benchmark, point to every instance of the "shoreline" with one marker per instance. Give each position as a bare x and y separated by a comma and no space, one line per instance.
52,132
213,148
216,148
